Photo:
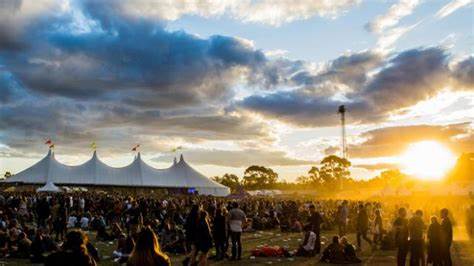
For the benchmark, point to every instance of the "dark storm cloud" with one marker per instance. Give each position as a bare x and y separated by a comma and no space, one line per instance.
97,73
301,108
409,77
8,34
74,125
397,82
127,59
243,158
120,78
464,73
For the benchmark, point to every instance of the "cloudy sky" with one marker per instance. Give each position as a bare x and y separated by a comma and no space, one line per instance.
234,83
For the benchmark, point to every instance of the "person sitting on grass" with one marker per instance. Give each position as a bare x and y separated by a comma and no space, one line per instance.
307,248
147,251
23,245
349,251
73,252
296,225
172,238
334,252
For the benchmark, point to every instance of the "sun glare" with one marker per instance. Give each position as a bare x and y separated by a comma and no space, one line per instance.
428,160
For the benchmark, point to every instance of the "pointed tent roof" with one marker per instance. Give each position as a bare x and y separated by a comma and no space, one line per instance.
138,173
49,187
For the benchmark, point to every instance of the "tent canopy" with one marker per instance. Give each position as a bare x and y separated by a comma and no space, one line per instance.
136,174
49,187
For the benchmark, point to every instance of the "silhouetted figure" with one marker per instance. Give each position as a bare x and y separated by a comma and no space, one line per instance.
400,226
362,226
73,252
446,238
204,237
378,227
315,224
333,253
416,226
470,221
342,217
348,249
434,242
219,231
190,227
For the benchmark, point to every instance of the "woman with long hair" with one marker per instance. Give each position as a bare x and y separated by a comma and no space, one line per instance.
147,251
73,252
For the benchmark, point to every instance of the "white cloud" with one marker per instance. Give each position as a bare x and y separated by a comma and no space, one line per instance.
452,6
386,26
276,53
388,39
269,12
396,12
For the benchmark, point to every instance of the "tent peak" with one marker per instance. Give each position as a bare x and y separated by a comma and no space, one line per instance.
181,158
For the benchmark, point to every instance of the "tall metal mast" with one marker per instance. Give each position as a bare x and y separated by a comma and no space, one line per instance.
342,111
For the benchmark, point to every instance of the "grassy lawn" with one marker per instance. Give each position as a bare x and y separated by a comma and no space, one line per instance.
463,251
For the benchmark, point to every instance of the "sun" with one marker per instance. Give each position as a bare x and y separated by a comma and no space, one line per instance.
428,160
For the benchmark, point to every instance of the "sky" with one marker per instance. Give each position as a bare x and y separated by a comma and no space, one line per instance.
234,83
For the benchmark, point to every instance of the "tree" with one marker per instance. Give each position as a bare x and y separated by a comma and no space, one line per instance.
304,180
256,177
314,175
229,180
334,171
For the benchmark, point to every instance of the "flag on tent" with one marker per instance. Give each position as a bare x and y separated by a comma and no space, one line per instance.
93,145
135,148
48,142
177,148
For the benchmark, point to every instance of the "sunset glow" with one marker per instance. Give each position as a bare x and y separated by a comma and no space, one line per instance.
428,160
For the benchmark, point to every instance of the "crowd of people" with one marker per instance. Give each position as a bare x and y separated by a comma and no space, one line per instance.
49,228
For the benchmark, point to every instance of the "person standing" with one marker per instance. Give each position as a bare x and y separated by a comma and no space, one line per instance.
446,238
401,236
362,226
190,228
236,220
343,218
416,226
315,223
378,227
434,242
204,238
219,231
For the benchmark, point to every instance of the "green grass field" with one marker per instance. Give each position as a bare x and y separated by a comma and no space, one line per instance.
463,251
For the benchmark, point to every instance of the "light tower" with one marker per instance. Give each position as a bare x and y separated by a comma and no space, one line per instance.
342,112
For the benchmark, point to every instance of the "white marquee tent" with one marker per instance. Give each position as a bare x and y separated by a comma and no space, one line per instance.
137,174
49,187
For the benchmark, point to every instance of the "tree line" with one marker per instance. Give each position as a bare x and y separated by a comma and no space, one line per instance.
333,173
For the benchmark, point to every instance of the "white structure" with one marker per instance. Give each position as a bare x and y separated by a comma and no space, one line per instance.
137,174
49,187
